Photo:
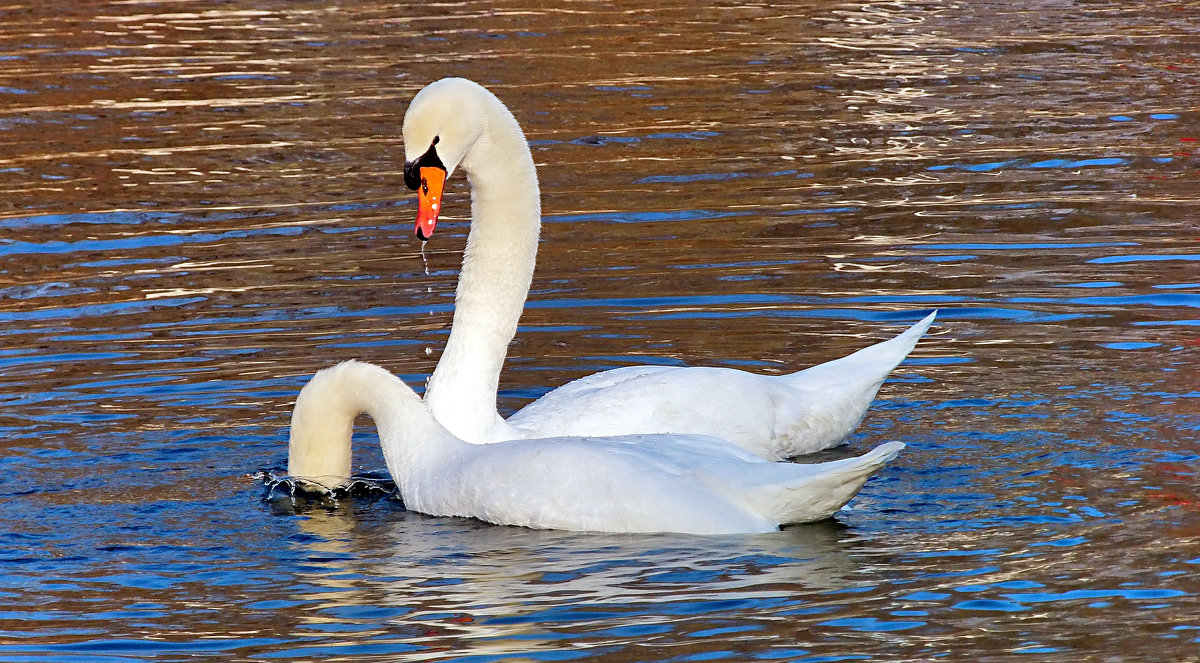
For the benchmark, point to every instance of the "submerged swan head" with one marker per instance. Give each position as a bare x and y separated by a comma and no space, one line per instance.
319,450
444,122
319,443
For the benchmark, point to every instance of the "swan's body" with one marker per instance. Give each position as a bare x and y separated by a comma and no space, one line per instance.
643,483
454,122
773,417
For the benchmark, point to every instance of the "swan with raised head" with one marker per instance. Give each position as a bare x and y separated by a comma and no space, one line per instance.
643,483
455,123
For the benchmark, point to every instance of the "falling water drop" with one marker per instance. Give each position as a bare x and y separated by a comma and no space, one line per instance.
428,288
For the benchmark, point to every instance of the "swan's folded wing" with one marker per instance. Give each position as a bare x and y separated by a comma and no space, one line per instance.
634,484
724,403
582,388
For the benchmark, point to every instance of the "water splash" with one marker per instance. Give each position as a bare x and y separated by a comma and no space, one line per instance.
428,288
279,488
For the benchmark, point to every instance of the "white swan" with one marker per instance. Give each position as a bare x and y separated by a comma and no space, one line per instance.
649,483
455,123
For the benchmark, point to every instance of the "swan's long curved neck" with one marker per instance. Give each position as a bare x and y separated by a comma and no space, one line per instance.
496,273
323,420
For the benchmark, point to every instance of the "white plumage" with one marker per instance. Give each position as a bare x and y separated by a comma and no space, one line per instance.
638,483
770,416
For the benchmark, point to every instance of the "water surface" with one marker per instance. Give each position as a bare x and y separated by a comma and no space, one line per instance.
201,204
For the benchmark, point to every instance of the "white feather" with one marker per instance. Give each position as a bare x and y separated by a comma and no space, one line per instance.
773,417
637,483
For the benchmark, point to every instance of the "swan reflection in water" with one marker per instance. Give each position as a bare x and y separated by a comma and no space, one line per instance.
507,589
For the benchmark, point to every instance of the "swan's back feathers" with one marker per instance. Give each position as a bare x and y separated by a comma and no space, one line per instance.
771,417
647,483
721,402
630,484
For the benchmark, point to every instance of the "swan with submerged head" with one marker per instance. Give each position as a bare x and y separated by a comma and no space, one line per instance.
454,123
639,483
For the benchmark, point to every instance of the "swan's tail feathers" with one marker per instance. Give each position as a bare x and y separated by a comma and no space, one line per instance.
817,491
874,361
896,349
828,401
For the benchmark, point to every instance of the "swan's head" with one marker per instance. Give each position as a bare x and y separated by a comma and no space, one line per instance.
456,122
443,122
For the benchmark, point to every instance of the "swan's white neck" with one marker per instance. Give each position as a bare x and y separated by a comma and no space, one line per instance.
496,273
323,420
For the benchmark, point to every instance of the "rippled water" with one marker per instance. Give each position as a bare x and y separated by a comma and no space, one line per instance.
201,204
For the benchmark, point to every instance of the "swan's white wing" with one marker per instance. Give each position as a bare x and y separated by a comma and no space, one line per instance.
770,416
634,484
720,402
663,483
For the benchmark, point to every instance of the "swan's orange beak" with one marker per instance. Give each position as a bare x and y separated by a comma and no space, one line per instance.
429,200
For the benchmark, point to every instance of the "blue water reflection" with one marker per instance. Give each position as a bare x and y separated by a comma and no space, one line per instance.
208,209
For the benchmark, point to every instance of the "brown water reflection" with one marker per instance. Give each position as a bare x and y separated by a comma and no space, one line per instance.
201,203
